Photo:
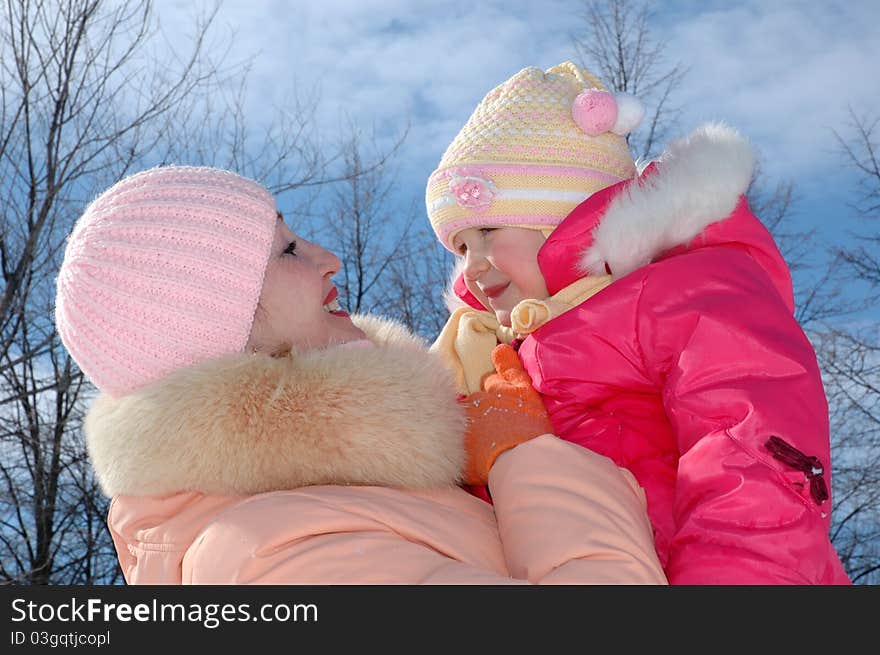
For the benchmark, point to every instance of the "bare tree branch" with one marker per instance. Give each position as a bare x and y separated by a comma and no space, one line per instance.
616,42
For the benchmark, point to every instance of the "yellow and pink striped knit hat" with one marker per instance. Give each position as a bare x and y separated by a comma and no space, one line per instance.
535,147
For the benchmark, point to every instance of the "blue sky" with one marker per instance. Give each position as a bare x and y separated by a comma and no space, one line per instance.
782,72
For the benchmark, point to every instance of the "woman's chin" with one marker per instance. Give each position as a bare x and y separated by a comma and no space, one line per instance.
350,333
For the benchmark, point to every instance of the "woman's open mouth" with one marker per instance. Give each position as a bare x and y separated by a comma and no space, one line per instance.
331,304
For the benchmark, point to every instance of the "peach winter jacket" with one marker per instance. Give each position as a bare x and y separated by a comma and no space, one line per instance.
340,466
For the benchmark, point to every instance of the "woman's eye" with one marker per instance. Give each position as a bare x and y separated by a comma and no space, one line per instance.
290,249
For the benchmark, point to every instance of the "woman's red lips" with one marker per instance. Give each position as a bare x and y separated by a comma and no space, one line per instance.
494,292
331,296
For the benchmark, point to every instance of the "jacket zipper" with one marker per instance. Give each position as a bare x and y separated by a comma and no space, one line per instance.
809,466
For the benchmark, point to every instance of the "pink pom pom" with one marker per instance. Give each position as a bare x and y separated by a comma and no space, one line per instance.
594,111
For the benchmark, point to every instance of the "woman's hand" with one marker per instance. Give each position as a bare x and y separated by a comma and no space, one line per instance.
507,412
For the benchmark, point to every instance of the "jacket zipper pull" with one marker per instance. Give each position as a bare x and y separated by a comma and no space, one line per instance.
809,466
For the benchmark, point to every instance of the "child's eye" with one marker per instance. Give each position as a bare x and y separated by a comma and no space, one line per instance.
290,249
485,230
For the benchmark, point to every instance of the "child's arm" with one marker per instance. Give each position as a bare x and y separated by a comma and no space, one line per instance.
506,412
565,515
736,369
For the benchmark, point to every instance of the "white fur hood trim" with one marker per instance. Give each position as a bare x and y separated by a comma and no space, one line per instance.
364,414
698,181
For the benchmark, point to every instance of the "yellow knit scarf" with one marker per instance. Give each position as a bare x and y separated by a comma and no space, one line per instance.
466,342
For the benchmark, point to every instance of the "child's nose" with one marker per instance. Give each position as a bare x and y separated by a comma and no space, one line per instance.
475,264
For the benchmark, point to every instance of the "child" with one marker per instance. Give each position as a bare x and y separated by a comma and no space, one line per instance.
653,313
249,431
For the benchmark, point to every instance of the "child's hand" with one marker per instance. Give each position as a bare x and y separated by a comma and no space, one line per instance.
510,377
506,413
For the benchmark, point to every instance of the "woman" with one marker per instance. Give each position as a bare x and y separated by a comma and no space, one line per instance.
249,431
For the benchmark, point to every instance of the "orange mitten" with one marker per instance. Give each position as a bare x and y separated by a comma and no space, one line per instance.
507,412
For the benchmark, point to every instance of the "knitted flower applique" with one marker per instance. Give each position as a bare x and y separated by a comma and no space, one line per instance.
471,192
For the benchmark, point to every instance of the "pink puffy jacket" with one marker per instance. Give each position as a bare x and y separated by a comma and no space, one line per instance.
339,466
691,371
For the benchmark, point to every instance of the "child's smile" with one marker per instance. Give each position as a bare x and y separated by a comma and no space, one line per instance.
501,266
494,292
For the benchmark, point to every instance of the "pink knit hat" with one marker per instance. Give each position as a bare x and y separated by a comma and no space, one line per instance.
162,271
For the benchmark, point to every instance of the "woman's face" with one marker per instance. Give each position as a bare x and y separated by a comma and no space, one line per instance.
298,306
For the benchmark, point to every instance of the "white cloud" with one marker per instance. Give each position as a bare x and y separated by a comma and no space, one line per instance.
782,72
384,63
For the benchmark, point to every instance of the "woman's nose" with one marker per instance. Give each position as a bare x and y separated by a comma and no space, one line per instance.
331,263
327,262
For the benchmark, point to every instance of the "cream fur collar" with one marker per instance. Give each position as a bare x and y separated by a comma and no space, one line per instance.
382,414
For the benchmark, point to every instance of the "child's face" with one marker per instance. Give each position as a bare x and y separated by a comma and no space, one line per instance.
296,289
501,266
